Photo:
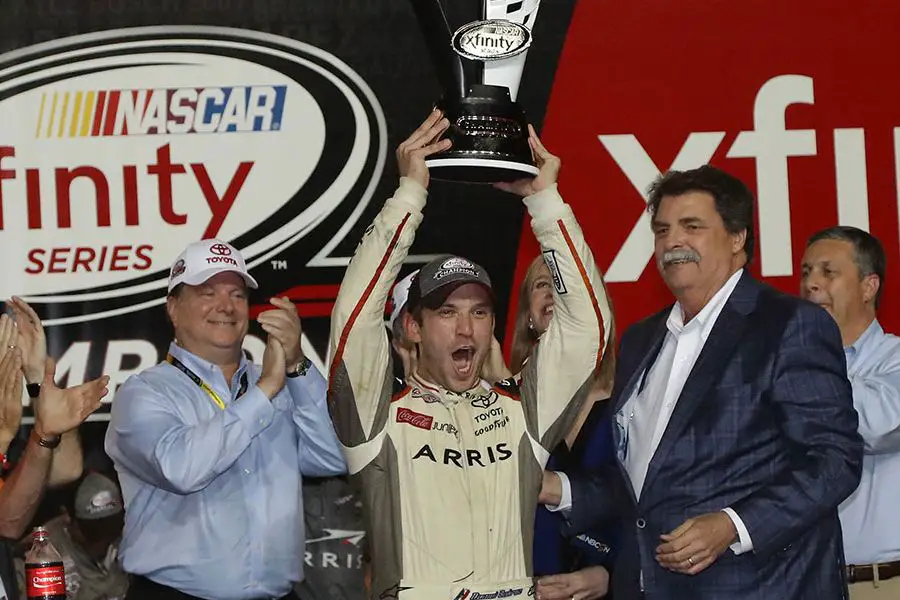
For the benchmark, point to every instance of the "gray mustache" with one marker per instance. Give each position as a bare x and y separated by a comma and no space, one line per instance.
682,255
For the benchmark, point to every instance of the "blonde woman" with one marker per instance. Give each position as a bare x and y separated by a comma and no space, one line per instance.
576,567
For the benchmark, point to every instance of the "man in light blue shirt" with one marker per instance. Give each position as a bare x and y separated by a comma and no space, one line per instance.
843,271
210,448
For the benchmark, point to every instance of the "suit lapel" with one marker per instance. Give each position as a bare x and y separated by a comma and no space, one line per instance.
717,352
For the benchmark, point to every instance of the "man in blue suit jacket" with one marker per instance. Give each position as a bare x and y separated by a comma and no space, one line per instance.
734,422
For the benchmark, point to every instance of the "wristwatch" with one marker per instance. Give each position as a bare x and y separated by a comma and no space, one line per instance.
302,368
48,442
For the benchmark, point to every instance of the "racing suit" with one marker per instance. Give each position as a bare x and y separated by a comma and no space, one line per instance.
450,480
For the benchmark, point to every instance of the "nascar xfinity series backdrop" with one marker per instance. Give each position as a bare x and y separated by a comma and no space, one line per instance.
130,127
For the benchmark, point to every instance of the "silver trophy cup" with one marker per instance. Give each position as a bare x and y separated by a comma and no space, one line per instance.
478,48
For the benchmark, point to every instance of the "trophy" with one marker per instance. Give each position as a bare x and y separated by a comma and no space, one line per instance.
478,48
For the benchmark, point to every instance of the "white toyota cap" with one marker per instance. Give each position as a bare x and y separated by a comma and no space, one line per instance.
206,258
400,295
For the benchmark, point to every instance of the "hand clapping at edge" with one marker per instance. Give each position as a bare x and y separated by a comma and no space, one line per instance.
60,410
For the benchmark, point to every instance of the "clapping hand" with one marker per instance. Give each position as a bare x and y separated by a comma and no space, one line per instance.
494,368
30,339
273,368
283,323
60,410
10,396
7,335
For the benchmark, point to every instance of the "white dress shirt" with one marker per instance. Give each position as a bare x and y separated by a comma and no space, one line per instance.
645,415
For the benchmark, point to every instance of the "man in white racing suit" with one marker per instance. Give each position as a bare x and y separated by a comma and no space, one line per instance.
450,466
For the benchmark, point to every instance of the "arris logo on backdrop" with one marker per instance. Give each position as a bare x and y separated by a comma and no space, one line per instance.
119,148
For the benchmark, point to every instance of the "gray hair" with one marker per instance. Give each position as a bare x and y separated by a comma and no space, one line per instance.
868,253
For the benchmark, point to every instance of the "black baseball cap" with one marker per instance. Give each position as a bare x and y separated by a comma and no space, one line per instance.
437,280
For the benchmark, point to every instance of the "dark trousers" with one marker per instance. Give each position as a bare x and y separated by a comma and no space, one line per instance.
142,588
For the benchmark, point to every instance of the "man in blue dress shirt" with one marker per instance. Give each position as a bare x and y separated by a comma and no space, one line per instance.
210,448
843,271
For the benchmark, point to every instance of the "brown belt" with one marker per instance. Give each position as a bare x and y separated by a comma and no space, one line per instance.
857,573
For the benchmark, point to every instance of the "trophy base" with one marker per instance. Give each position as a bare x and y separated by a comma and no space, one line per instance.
478,170
489,135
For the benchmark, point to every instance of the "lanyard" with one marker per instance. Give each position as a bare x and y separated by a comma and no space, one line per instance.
202,384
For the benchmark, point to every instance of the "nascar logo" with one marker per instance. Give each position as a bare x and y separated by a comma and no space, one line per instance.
160,111
95,219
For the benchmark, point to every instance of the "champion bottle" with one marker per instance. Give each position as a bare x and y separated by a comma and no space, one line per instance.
45,577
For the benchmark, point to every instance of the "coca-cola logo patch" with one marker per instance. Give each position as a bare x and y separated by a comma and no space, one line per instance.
411,417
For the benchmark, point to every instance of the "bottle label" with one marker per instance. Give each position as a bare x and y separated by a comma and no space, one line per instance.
46,580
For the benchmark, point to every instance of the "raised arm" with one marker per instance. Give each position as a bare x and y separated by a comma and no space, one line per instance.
557,379
56,412
67,461
359,378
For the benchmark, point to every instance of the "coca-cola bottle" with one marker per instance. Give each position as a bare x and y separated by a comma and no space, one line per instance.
45,577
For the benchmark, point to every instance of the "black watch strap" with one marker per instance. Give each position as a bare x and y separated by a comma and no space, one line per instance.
302,367
34,389
50,442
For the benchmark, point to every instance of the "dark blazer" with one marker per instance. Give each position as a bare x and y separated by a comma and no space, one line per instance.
765,425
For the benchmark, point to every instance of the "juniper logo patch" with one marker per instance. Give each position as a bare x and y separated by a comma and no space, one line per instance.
117,149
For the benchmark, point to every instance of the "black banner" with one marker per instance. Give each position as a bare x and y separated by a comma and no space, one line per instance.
129,128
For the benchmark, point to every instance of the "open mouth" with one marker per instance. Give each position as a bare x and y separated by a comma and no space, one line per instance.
221,323
548,310
464,360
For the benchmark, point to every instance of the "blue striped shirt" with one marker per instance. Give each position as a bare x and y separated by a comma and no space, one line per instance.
212,497
869,516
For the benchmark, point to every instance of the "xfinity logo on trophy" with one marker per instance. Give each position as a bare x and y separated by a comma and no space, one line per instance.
127,145
491,40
